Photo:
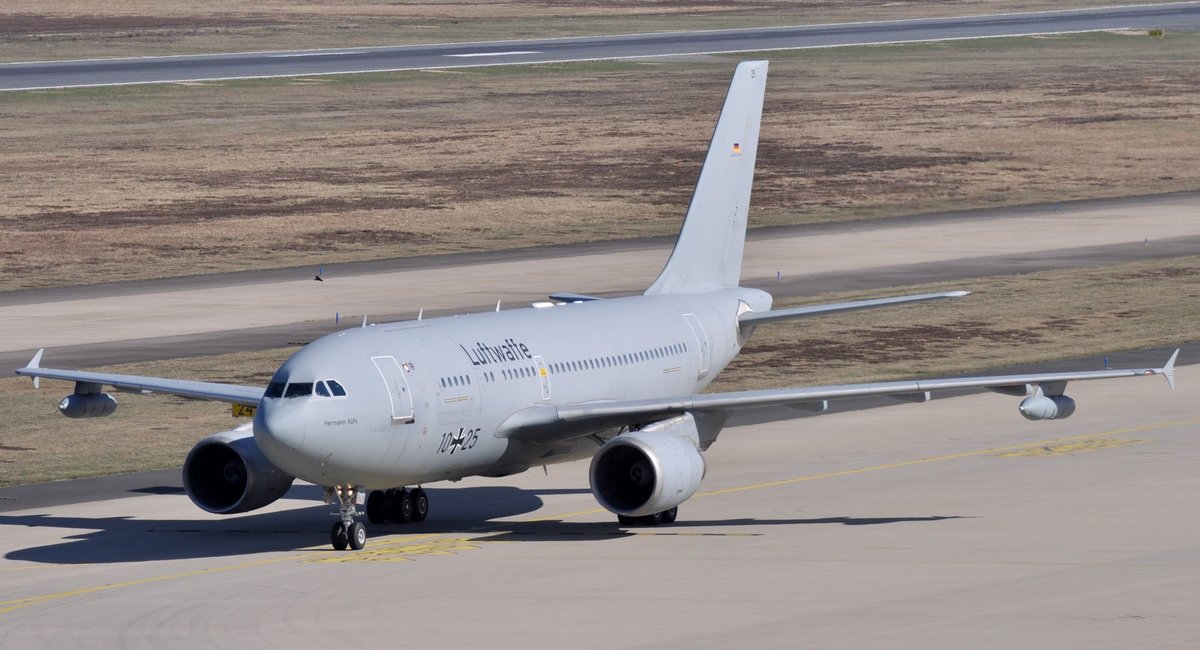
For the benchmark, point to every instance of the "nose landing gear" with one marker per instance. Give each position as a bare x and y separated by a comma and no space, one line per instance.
347,532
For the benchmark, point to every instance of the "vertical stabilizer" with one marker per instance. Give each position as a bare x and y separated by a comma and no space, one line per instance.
708,254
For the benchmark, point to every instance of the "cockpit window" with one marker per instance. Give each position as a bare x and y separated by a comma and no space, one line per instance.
298,390
336,388
274,389
322,390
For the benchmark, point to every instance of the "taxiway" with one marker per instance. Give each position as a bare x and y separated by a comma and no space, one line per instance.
190,68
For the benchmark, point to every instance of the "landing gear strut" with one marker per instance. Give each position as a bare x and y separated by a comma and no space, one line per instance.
397,506
346,532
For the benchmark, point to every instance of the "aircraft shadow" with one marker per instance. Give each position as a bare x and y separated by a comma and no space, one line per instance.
469,512
103,540
559,530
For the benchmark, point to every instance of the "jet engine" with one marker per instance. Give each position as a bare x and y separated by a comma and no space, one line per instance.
1047,407
648,471
227,473
87,405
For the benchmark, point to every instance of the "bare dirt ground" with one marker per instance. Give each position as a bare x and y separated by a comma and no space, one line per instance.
29,30
1009,320
101,185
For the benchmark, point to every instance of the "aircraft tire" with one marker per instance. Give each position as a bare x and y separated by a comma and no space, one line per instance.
420,502
400,507
376,507
626,520
668,516
338,537
357,536
650,520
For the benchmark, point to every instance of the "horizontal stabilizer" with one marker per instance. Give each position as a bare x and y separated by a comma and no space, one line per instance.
566,296
752,318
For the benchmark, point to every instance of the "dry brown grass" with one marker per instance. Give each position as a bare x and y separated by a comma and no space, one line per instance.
32,30
1009,320
143,182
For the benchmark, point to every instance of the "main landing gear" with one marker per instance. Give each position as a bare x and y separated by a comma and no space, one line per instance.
664,517
383,506
397,506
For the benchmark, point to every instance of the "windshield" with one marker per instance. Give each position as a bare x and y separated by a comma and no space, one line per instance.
274,389
298,390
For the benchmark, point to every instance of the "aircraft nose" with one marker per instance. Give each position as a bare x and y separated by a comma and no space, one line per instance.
277,425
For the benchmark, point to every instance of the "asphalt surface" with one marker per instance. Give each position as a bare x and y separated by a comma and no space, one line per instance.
100,72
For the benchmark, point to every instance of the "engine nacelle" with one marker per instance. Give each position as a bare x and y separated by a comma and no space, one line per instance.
648,471
87,405
1047,407
227,473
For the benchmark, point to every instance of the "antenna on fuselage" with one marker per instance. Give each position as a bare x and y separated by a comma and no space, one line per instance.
420,313
364,320
498,304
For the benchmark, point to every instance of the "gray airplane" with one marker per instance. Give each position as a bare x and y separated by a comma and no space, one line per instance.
368,412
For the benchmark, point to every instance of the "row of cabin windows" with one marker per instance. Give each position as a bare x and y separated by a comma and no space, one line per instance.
326,388
593,363
460,380
620,359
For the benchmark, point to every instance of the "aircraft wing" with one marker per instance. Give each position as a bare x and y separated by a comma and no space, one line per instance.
232,393
751,319
545,423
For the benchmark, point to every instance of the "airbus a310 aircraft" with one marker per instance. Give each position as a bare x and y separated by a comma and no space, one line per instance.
368,412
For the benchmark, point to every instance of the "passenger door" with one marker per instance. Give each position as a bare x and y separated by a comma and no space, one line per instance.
397,386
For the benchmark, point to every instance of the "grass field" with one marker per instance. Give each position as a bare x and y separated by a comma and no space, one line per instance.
1008,320
30,30
124,183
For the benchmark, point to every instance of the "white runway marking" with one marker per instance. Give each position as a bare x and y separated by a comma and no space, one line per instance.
290,55
478,54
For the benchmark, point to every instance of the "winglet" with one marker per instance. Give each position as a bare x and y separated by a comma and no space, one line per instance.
1168,370
36,362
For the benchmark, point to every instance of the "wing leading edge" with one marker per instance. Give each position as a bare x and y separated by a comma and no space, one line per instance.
232,393
751,319
545,424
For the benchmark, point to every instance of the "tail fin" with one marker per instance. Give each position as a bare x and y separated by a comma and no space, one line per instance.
708,253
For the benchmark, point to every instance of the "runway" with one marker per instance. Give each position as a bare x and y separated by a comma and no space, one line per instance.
104,72
949,524
87,326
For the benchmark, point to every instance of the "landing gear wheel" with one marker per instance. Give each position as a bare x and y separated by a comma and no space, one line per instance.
650,520
400,507
626,520
376,507
339,537
668,516
357,535
420,504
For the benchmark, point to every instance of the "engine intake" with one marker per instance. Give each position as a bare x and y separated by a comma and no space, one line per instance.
227,473
87,405
648,471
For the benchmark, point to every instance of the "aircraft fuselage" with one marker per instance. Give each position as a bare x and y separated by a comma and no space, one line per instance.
425,400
